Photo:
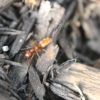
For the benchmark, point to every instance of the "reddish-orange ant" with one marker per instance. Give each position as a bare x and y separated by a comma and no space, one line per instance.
38,47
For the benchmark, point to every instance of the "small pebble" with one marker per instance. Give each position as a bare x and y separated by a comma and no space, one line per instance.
5,48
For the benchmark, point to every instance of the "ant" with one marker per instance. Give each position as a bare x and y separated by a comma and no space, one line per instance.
38,47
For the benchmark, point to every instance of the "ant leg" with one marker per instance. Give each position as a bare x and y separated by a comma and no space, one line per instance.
44,50
30,61
37,54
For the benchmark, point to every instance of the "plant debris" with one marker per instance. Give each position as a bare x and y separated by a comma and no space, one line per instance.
49,49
